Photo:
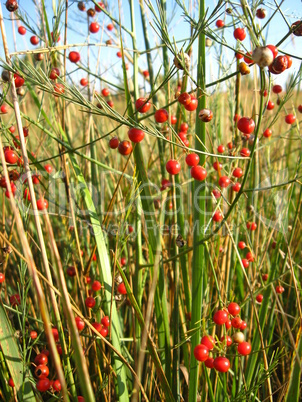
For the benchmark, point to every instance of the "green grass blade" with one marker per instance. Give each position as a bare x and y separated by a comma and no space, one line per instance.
11,354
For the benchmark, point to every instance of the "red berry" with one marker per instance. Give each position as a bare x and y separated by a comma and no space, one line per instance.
81,399
248,58
245,152
136,135
79,323
125,147
113,143
219,23
192,159
146,75
105,321
216,193
236,322
300,108
238,172
239,34
142,105
241,245
243,325
41,358
173,167
90,302
228,324
246,125
279,65
217,166
244,348
2,277
19,81
34,40
279,289
261,13
208,341
96,286
201,353
122,289
41,371
74,57
233,308
273,49
161,116
238,56
221,149
198,173
173,120
217,216
57,386
226,340
98,9
10,156
290,118
110,27
259,298
105,92
205,115
84,82
11,383
104,331
22,30
267,133
58,89
119,54
4,109
289,61
94,27
224,181
220,317
110,103
123,261
249,256
209,363
270,105
71,271
184,98
33,335
192,105
245,263
15,300
221,364
236,187
43,385
277,89
42,204
184,127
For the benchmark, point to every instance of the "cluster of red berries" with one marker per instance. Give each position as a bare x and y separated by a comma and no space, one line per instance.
208,343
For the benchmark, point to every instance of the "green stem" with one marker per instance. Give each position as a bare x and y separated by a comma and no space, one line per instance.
198,264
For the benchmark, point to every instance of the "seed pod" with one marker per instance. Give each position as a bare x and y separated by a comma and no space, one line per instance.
205,115
181,60
91,12
238,337
81,6
21,91
5,75
229,11
263,56
208,42
244,68
38,56
297,28
11,5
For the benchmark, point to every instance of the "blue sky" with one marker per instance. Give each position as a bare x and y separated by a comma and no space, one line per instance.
110,65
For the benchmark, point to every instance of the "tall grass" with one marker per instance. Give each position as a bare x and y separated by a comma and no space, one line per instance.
110,219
